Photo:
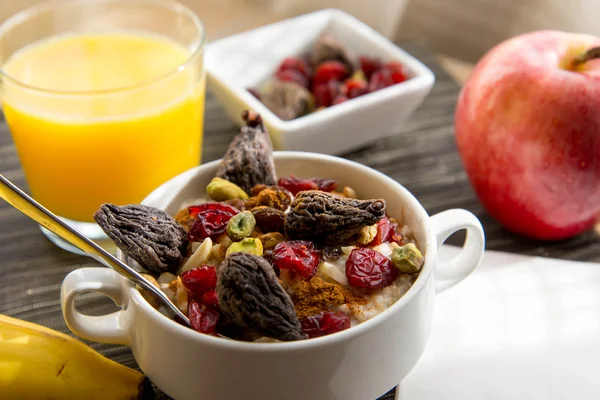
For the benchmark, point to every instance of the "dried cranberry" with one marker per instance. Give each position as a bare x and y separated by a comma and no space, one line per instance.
203,320
369,65
339,99
325,93
380,80
325,324
397,70
367,268
295,64
298,256
200,280
385,231
355,88
210,299
324,184
296,185
330,71
210,220
254,92
290,75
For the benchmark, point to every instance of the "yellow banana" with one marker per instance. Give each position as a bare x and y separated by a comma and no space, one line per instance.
39,363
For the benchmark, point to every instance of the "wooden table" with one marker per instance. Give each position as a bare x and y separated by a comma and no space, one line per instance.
422,156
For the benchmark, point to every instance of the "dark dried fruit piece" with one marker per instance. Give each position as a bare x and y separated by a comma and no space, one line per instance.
329,48
288,99
330,219
330,253
249,159
148,235
269,219
325,324
250,295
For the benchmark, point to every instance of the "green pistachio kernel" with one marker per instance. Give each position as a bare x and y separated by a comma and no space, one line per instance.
366,234
248,245
408,259
220,190
241,226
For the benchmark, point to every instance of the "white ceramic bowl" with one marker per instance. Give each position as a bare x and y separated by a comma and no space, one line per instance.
360,363
251,58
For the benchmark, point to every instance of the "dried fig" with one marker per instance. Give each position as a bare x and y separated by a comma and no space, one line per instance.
288,100
330,219
148,235
249,159
329,48
251,296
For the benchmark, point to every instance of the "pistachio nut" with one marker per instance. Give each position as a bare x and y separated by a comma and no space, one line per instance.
220,190
408,259
247,245
241,226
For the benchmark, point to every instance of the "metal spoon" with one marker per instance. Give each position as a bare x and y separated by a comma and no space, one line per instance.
34,210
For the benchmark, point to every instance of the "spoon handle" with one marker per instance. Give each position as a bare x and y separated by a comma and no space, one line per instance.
22,202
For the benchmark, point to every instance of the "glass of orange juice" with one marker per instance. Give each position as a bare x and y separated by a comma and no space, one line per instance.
104,100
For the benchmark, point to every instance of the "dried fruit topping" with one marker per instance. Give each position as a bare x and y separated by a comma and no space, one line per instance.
270,196
146,234
380,80
326,93
369,65
249,159
203,320
397,70
241,226
355,88
296,185
408,259
340,99
325,324
369,269
329,48
250,295
298,256
270,240
200,280
287,98
220,190
269,219
210,299
328,218
295,64
331,253
290,75
385,231
210,220
248,245
330,70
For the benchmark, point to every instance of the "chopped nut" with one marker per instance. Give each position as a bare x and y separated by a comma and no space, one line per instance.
270,240
224,240
408,259
248,245
220,190
241,226
166,277
366,234
251,296
181,296
216,255
349,192
150,298
199,257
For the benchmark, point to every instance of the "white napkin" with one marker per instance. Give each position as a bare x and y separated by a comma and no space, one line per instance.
518,328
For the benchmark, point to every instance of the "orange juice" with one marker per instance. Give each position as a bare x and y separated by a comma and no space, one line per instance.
103,117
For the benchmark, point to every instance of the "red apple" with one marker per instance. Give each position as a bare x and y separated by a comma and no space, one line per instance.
528,131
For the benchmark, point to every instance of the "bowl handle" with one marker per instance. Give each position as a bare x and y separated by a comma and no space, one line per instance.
450,272
110,328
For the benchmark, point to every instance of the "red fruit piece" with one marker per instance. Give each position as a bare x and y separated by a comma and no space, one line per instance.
291,75
298,256
325,93
324,184
211,220
397,71
330,71
385,231
210,299
380,80
200,280
203,320
339,99
295,64
295,185
367,268
355,88
325,324
369,65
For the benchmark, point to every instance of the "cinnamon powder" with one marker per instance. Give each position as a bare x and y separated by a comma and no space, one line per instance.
316,296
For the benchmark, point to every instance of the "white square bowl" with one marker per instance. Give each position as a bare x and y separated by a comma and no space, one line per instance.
249,59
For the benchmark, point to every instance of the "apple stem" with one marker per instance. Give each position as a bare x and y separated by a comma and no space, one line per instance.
592,53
